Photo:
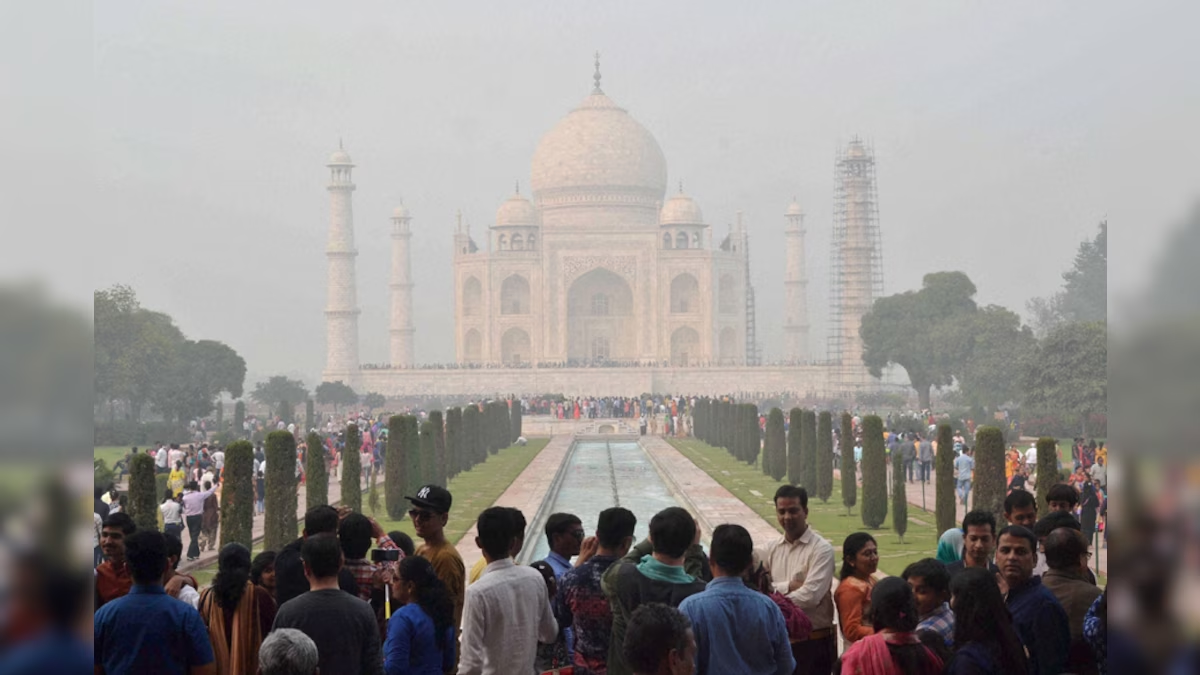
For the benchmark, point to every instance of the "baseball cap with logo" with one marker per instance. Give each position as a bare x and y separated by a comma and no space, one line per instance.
432,497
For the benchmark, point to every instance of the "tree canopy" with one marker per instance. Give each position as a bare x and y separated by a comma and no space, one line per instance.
1084,295
1000,350
374,400
279,388
336,394
1068,375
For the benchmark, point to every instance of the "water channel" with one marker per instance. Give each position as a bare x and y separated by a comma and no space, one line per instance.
599,475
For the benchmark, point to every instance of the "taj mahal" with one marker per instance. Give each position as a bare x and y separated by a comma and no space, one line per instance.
601,283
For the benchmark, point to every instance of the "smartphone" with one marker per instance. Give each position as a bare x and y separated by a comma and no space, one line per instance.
385,555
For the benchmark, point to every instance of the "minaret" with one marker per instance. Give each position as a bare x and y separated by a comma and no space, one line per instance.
857,259
795,288
341,307
401,332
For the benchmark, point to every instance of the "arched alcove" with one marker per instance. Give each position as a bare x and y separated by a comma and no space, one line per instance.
514,295
685,294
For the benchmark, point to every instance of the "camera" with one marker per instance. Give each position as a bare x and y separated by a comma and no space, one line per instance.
385,555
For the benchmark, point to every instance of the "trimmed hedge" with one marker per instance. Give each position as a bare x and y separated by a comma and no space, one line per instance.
825,456
1047,465
849,467
351,470
899,498
808,443
516,422
143,492
874,474
237,495
439,447
775,447
794,445
454,434
316,477
394,480
468,449
239,419
427,450
310,415
989,486
413,478
279,523
943,487
287,412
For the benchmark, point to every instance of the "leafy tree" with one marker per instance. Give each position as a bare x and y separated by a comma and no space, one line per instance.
808,462
944,484
1000,351
1084,296
775,446
454,435
439,446
1047,471
279,521
143,492
989,484
795,449
316,476
336,394
926,332
874,474
237,495
287,412
239,419
278,388
899,500
374,400
394,479
825,456
849,469
133,347
196,375
351,469
1068,375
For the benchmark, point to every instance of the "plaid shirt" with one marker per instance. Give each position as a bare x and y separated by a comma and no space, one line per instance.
941,621
364,570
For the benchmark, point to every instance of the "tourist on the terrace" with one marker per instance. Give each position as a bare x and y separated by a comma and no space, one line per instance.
930,583
113,578
801,565
1020,508
480,565
1040,620
1062,497
238,613
421,636
860,559
1067,555
659,642
430,513
193,513
894,646
287,651
290,579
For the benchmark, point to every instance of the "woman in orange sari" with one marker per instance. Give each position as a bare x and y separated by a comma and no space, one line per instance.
860,559
238,613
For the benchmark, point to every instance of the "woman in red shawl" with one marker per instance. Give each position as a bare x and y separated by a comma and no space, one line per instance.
894,648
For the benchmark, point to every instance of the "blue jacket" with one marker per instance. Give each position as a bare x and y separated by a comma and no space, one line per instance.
1042,625
737,631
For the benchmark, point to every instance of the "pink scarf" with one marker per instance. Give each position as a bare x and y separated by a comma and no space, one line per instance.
870,655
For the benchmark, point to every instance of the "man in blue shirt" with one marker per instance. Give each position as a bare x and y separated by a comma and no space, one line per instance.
964,468
737,630
148,631
1040,620
564,533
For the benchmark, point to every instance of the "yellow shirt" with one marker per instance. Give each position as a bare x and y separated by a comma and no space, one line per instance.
175,481
476,571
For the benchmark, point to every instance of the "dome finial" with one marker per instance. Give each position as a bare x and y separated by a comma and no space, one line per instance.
680,187
596,77
340,144
518,187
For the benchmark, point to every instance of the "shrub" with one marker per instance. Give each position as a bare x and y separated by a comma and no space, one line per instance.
373,493
239,419
394,479
943,487
427,451
316,489
794,445
143,492
439,445
808,453
351,470
102,475
454,434
467,450
237,495
516,425
1047,465
287,412
751,437
279,523
825,456
774,449
413,479
899,499
989,485
874,473
849,470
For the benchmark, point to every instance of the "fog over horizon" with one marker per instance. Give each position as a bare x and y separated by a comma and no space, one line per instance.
1003,135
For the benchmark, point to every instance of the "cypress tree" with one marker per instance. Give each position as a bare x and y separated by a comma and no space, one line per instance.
310,415
351,470
316,481
279,523
453,441
808,443
516,422
143,492
393,469
220,415
753,434
503,424
874,472
943,477
1047,465
239,419
439,446
237,495
426,430
989,485
373,491
825,456
849,467
794,443
286,412
412,455
774,449
470,437
899,499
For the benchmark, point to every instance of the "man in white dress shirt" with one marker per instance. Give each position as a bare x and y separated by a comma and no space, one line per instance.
801,563
507,611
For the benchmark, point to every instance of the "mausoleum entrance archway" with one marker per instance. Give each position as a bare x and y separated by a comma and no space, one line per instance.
601,324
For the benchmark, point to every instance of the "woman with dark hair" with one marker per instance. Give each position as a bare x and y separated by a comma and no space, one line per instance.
238,613
421,634
860,559
262,571
984,638
894,648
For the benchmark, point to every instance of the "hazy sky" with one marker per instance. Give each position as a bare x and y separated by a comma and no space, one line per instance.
1003,133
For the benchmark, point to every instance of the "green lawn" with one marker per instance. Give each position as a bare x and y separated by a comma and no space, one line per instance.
110,454
830,519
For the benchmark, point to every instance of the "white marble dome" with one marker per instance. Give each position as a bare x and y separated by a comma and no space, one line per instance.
516,211
599,154
340,157
400,212
794,209
681,210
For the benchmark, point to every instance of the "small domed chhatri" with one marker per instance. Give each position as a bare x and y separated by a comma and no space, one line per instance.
400,212
340,157
516,211
794,209
681,209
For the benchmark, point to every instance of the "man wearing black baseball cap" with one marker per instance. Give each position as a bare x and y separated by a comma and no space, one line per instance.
430,512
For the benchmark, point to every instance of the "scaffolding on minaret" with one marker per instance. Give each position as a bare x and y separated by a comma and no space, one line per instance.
753,358
856,273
